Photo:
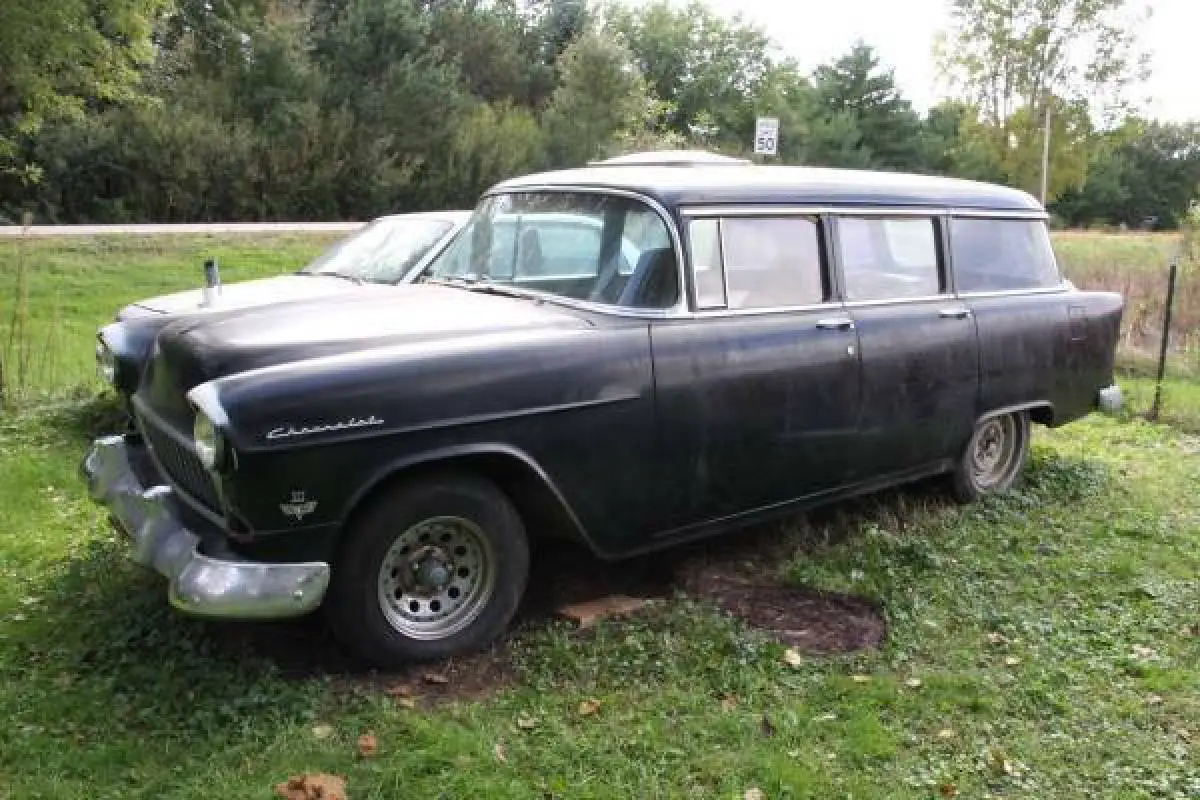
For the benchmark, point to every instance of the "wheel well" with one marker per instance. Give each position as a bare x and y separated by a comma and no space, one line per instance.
1042,415
544,513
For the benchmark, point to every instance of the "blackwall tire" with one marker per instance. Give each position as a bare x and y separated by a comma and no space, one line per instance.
994,458
428,570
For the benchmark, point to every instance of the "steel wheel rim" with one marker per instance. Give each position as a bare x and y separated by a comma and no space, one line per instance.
993,451
436,578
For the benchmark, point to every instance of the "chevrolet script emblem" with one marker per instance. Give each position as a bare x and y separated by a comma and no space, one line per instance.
299,507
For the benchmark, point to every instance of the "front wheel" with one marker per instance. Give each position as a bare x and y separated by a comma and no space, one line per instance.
433,569
994,457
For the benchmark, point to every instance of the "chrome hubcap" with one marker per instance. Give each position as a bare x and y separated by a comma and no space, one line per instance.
993,451
436,578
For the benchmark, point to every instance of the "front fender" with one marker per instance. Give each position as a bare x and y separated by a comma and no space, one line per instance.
503,463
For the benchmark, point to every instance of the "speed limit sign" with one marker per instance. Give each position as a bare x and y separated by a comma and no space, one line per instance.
766,136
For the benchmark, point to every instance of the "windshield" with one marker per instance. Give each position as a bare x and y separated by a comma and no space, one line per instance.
595,247
382,252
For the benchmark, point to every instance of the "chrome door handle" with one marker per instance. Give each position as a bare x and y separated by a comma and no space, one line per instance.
836,324
954,313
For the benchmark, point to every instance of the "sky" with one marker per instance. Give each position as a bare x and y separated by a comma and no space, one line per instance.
903,31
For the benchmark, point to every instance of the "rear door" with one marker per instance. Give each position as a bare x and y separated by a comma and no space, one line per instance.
920,356
1029,332
757,388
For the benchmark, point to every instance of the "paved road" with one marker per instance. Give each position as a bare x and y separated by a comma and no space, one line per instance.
153,230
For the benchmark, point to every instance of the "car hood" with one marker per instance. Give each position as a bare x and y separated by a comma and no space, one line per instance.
247,294
201,348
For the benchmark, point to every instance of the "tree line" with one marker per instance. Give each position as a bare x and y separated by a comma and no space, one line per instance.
195,110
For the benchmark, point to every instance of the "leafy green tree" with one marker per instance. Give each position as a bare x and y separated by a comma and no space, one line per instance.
600,96
856,89
1141,174
58,57
708,68
1014,59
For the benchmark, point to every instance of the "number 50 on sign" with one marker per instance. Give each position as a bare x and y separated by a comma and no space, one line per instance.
766,136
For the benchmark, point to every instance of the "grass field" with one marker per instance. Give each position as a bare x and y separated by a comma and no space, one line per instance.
76,284
1044,645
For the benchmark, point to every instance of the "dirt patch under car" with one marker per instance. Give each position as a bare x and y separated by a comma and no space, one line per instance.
738,574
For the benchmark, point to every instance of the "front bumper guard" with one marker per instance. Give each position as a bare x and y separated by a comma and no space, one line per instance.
197,583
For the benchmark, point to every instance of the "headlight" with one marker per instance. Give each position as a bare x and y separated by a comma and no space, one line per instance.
106,363
210,445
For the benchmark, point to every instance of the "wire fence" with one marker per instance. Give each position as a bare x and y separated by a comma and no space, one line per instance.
1158,355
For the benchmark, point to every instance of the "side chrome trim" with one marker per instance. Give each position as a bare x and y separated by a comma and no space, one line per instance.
926,298
704,313
197,583
1017,292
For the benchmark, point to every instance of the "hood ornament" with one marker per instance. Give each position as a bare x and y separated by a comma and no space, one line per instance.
212,283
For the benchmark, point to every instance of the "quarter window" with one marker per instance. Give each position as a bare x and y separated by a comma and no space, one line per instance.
995,255
705,235
886,258
756,262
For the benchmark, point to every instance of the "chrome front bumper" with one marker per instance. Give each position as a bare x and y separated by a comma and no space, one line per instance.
198,584
1110,399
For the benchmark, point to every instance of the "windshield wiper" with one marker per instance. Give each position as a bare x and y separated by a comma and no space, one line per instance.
478,285
357,281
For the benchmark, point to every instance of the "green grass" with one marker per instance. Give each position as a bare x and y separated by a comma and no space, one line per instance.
76,284
1088,572
1180,400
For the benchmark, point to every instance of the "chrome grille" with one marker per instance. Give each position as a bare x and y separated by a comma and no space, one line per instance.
179,462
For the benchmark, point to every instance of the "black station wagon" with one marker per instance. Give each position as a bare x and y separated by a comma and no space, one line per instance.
628,355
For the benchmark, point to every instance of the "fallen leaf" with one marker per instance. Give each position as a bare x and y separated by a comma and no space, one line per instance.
768,727
946,733
1012,661
792,658
436,677
860,678
589,707
948,790
754,794
501,753
322,731
313,787
997,638
367,745
525,722
913,683
729,702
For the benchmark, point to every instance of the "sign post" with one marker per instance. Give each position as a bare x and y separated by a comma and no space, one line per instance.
766,136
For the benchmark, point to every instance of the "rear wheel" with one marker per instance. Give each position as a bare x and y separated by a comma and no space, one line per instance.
994,457
432,569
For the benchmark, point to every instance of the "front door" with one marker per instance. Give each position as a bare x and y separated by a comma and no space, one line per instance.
757,392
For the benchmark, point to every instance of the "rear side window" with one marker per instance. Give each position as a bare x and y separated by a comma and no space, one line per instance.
996,255
757,262
886,258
